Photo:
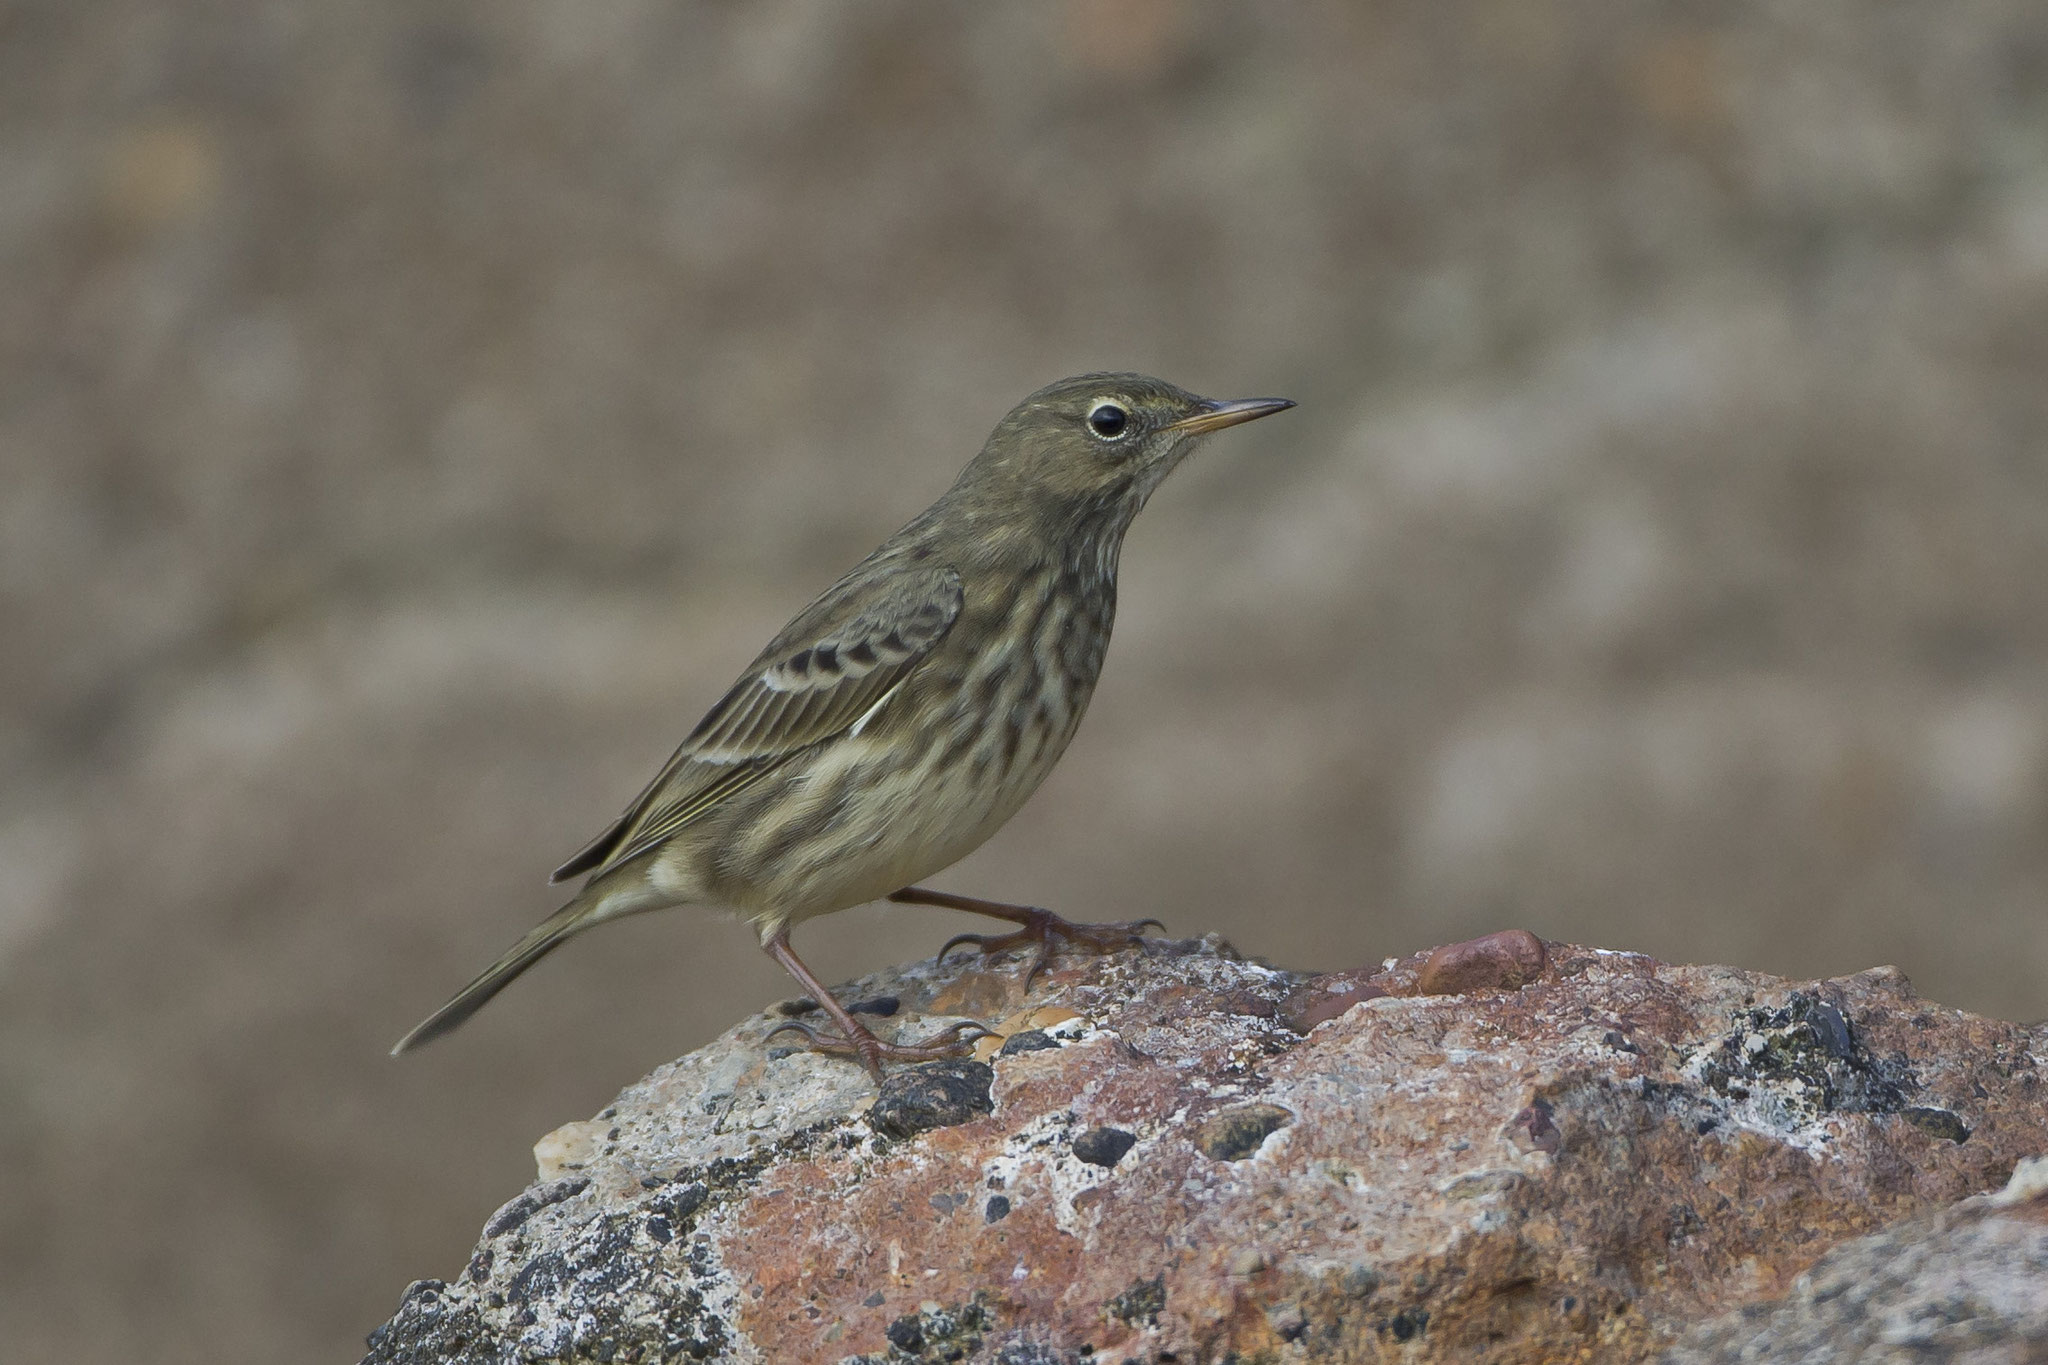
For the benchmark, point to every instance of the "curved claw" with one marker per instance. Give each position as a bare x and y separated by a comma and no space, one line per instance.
966,1033
980,941
1038,961
1138,924
811,1035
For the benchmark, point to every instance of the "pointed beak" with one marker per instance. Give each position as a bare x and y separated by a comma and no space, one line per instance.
1217,415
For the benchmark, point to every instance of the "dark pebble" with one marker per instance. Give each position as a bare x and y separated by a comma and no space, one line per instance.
1408,1323
1030,1040
907,1334
1937,1122
1104,1146
917,1099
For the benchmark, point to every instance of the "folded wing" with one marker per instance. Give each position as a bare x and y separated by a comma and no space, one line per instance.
834,665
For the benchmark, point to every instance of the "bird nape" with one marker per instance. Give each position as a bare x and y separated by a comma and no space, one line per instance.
904,715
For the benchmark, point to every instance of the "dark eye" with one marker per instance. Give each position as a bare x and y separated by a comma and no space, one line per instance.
1108,421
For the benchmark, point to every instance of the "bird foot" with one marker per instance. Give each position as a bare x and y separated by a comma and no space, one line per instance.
955,1041
1046,929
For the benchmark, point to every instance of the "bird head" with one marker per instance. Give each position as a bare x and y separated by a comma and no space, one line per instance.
1097,445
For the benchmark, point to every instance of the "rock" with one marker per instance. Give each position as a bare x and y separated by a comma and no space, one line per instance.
1237,1132
1030,1040
1583,1156
1969,1283
1507,960
918,1099
1104,1146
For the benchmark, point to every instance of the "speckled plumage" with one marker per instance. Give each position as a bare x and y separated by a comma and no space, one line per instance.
901,718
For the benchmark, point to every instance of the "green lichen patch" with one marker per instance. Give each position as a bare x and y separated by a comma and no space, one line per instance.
1141,1304
1801,1060
635,1285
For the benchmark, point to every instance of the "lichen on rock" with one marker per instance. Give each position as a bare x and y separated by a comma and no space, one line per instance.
1575,1154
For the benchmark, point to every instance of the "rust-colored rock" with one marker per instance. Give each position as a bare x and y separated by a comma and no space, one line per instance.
1182,1164
1504,961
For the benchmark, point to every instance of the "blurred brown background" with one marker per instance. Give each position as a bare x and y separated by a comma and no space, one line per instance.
411,415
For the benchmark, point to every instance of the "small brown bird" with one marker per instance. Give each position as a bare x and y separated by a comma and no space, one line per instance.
903,716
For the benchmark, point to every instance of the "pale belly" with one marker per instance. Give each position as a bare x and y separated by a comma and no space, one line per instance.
874,825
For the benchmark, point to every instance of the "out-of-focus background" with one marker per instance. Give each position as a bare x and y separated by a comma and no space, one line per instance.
411,416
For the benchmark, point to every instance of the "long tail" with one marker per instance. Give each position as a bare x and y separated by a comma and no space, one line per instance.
578,914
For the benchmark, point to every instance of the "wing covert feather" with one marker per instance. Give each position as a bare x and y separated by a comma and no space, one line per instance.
839,658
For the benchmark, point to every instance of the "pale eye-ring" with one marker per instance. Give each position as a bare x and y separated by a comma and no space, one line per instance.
1109,421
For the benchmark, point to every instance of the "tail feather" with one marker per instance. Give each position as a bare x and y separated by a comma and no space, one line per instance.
537,944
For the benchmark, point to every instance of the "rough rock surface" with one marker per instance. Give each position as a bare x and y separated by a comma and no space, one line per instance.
1965,1286
1187,1157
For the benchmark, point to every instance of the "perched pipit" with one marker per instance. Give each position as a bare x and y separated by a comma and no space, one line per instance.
903,716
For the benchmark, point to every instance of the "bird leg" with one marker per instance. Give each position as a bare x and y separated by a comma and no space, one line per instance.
855,1039
1041,927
